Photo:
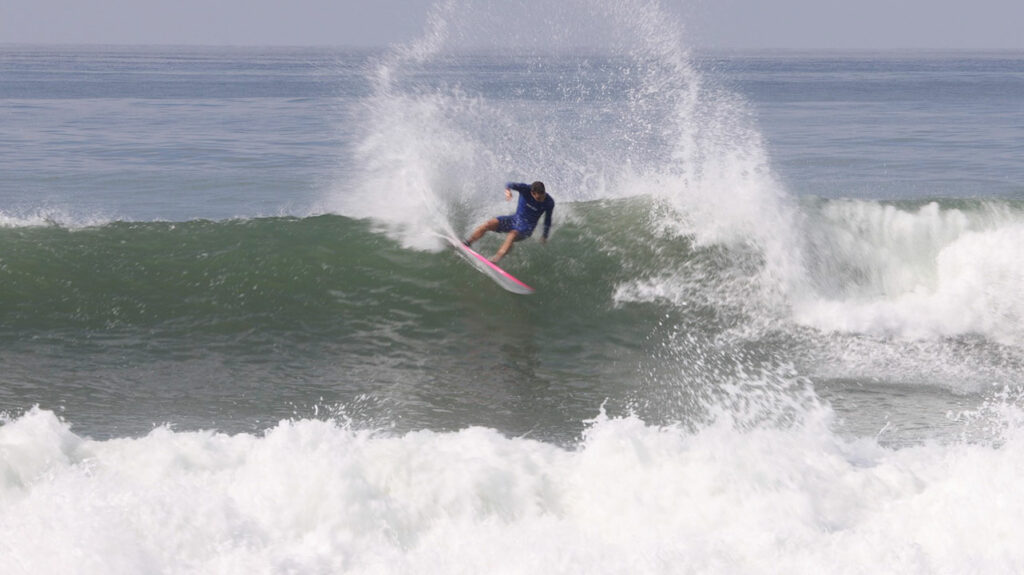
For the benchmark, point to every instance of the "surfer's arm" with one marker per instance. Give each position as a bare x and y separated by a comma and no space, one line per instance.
521,188
547,223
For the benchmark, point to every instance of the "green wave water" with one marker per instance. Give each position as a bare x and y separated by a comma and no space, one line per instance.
245,312
329,274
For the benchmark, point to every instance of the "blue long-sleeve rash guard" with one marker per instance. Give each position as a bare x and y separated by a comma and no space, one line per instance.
529,210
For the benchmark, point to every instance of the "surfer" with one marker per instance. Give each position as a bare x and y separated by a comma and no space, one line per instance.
534,201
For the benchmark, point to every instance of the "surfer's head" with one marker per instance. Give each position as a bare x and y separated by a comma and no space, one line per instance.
537,191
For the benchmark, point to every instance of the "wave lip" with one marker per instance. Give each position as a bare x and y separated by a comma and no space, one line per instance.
929,273
49,217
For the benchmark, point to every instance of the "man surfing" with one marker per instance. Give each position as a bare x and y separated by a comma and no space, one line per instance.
534,201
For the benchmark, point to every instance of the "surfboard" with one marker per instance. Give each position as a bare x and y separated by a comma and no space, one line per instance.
501,277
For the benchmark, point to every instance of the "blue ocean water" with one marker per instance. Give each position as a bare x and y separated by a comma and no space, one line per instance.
779,315
175,134
889,125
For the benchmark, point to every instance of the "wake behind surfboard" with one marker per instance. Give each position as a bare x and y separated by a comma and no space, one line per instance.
490,269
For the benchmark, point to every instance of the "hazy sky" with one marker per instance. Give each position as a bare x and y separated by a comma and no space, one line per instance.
741,24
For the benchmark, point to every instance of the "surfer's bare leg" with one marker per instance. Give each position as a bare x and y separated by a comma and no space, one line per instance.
488,226
505,247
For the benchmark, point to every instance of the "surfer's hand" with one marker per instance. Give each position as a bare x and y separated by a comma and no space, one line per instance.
508,194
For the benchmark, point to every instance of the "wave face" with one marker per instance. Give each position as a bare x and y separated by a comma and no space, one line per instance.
910,271
908,293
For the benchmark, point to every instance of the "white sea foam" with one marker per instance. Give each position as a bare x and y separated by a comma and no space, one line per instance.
918,274
867,268
419,155
310,496
42,217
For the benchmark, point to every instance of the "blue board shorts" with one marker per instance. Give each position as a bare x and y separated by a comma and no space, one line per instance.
509,223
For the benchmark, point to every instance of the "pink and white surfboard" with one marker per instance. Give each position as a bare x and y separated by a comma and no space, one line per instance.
500,276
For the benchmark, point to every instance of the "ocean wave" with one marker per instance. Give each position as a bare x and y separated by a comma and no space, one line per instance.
50,217
917,272
877,269
918,279
318,496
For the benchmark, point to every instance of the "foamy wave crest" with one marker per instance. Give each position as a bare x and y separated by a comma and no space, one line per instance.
310,496
42,217
924,273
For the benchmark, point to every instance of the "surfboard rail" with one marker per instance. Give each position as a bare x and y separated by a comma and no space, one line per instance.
501,277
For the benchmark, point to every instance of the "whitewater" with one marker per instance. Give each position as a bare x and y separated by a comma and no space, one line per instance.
311,496
777,328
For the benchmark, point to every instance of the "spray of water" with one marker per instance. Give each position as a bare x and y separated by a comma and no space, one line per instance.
609,106
605,100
